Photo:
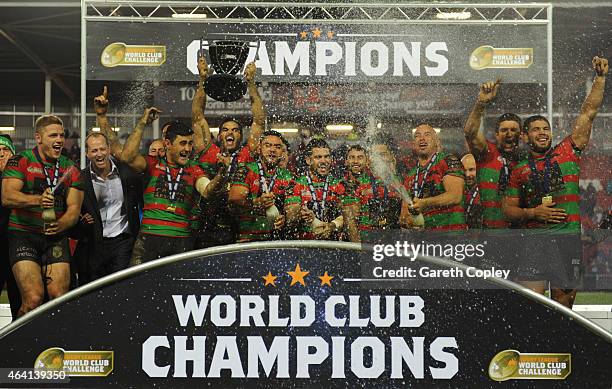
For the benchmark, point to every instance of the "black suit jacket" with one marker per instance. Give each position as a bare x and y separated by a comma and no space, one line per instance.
90,236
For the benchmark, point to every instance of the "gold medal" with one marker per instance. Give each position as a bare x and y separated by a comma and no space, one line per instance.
547,199
382,222
171,208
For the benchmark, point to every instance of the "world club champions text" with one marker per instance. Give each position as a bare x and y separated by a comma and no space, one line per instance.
255,356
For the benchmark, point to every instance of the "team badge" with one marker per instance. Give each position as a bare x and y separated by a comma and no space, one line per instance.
57,251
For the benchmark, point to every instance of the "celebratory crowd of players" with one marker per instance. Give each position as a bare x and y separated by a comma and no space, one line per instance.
192,191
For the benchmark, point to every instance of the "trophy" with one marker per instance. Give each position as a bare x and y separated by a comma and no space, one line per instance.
227,58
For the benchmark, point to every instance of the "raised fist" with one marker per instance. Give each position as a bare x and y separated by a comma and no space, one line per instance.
202,67
101,102
249,72
600,65
488,91
150,114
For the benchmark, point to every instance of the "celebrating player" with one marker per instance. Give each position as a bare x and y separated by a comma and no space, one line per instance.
320,196
215,224
435,184
494,160
262,192
169,194
543,192
43,190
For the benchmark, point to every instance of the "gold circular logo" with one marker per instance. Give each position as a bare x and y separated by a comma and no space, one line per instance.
113,54
482,57
504,365
50,359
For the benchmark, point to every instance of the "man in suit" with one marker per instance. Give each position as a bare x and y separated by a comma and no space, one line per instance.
109,215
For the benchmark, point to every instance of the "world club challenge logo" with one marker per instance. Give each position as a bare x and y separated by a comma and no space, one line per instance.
291,321
513,365
76,363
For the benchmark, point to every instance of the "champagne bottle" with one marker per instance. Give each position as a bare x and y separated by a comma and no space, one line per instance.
48,217
272,213
419,220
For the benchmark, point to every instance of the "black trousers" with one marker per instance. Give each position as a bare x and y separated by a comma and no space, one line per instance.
114,255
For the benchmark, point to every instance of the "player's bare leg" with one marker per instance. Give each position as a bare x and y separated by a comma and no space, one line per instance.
27,275
536,286
564,296
58,279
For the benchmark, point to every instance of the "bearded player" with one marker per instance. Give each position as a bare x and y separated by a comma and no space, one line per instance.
544,194
320,195
435,184
262,192
494,160
214,224
169,196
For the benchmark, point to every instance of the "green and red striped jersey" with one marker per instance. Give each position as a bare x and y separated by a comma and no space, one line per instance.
489,172
333,200
376,211
255,227
444,218
525,184
26,167
214,211
208,159
162,215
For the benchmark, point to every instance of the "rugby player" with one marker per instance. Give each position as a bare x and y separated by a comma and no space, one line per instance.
544,194
169,196
262,192
320,196
34,180
214,224
494,161
435,184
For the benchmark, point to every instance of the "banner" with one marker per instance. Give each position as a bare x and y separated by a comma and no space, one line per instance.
399,100
252,315
330,53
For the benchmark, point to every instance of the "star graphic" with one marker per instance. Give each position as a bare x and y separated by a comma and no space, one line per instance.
269,278
304,34
298,275
316,33
330,34
326,279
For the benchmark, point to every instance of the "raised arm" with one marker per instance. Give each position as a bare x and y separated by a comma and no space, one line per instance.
131,149
475,138
101,107
581,133
201,129
257,107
